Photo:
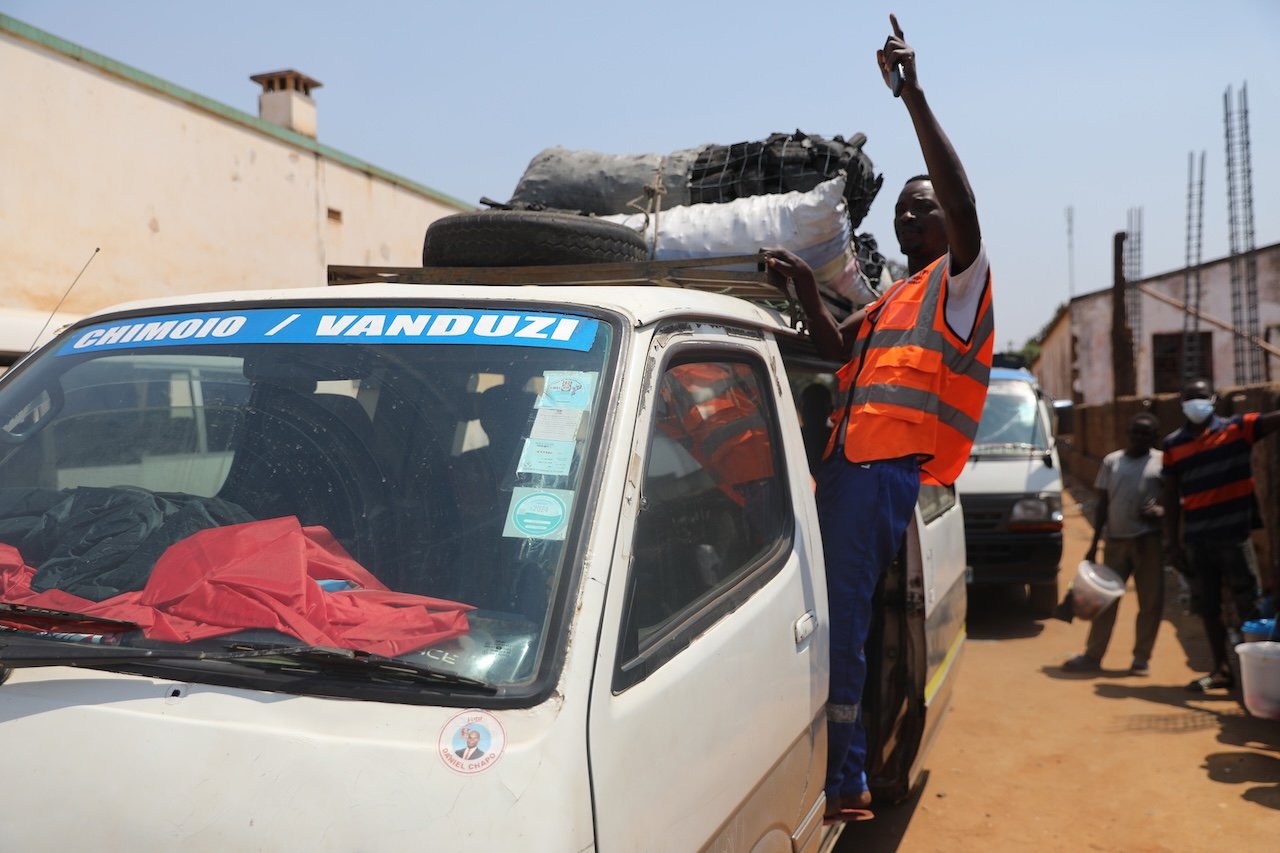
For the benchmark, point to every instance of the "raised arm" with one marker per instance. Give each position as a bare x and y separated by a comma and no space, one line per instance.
950,183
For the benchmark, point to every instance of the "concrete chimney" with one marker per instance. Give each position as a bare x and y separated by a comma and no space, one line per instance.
286,100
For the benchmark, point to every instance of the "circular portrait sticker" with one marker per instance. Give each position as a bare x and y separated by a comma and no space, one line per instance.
471,741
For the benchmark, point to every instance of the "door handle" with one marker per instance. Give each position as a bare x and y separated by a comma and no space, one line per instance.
805,626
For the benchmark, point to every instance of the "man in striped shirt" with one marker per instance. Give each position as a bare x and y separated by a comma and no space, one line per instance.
1210,510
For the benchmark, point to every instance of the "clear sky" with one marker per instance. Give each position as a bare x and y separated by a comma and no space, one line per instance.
1092,104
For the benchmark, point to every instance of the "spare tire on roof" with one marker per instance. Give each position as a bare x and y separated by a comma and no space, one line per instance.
504,238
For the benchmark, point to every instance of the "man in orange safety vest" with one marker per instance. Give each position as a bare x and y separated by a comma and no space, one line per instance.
914,381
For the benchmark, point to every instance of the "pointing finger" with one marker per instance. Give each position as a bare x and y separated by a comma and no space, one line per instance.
897,30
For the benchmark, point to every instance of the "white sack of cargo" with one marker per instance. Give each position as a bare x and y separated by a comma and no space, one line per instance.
813,224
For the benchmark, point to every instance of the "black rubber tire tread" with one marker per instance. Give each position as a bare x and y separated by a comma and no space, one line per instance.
505,238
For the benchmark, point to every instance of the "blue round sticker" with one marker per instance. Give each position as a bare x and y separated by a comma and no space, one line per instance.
539,515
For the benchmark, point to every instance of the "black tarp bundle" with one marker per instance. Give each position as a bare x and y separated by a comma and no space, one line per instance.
602,184
99,542
783,163
599,184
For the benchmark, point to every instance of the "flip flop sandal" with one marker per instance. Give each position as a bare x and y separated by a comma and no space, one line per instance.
847,816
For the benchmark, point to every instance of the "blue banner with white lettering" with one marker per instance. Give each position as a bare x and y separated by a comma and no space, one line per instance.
341,326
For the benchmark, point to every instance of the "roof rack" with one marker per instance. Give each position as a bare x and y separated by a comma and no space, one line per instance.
696,273
704,274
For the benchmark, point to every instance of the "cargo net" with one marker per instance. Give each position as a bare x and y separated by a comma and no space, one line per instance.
785,162
599,184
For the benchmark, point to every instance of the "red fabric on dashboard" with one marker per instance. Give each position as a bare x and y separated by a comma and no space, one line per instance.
257,575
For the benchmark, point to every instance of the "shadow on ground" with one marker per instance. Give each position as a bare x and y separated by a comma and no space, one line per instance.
1198,712
1057,672
884,834
1000,613
1244,768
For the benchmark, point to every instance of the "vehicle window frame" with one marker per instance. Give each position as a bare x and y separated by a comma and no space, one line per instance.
678,634
543,681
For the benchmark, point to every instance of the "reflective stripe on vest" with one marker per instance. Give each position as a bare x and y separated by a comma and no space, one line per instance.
916,391
718,436
911,398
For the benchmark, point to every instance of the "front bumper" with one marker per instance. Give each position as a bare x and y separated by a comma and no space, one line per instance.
1008,557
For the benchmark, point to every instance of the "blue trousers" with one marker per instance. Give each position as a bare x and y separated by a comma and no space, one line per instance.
863,510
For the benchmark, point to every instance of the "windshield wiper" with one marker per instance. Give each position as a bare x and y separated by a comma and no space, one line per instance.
356,660
22,649
13,610
1004,445
19,648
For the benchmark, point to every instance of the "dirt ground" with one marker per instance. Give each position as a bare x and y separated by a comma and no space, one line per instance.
1032,758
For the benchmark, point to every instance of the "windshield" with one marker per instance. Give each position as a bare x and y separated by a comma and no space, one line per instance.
396,482
1011,421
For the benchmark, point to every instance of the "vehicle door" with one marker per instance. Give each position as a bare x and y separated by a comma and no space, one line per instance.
917,629
706,721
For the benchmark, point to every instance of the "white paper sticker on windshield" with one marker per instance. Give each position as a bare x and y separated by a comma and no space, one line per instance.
538,513
556,424
546,457
567,389
471,742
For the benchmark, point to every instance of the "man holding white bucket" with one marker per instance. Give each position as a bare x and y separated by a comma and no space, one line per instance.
1128,485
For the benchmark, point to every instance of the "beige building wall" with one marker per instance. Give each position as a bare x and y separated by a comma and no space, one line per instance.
1054,365
181,194
1215,286
1091,325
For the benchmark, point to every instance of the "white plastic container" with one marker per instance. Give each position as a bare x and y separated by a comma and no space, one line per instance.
1095,588
1260,674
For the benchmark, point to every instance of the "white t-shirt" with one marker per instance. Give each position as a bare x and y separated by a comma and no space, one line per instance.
1132,484
964,293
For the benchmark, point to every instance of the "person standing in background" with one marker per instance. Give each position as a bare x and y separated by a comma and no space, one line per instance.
1128,485
1210,510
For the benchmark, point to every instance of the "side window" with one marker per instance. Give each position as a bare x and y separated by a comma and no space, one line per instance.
714,507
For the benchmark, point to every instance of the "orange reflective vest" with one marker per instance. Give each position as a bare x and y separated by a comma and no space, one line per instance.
720,423
914,387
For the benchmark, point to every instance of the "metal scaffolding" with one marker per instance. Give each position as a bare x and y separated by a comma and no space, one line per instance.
1132,275
1192,363
1244,269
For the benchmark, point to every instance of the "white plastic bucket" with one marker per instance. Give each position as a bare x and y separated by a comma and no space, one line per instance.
1095,588
1260,674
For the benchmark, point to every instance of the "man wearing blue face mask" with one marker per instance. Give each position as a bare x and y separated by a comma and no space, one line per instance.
1210,510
